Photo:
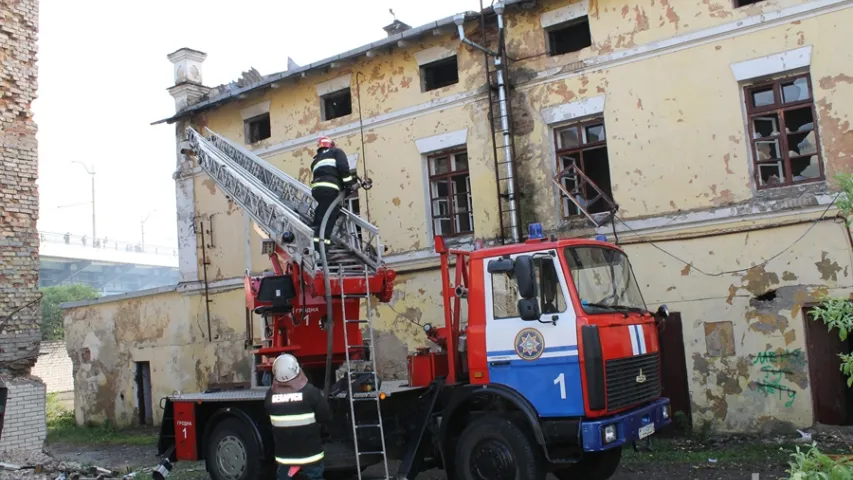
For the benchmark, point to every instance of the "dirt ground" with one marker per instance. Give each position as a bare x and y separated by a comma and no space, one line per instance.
720,458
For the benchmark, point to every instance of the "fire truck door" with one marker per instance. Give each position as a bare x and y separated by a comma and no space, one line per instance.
539,359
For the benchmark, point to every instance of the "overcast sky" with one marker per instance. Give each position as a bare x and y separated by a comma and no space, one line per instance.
103,75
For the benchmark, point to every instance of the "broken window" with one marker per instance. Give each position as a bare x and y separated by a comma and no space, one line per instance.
257,128
439,74
783,131
570,36
450,194
585,145
743,3
336,104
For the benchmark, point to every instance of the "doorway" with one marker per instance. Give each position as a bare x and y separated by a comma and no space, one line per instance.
143,393
832,401
674,369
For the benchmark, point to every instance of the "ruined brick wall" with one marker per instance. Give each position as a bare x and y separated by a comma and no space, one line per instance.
19,258
54,367
24,426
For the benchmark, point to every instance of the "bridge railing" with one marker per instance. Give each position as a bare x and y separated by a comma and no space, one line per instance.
105,243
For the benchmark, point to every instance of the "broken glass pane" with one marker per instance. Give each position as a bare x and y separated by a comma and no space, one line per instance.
771,173
763,97
439,188
805,168
766,125
796,91
767,150
595,133
440,165
442,226
440,207
463,223
568,138
461,162
799,120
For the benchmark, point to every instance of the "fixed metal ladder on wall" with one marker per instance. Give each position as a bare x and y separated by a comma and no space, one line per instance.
370,397
503,143
283,206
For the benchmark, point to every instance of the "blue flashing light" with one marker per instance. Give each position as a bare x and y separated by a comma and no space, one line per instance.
534,231
601,238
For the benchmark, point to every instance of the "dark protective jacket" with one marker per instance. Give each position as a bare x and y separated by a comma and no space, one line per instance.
296,416
330,168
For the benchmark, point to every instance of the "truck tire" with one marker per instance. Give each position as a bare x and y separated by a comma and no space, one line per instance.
593,466
494,448
233,453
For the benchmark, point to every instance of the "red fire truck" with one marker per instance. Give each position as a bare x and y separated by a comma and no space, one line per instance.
547,359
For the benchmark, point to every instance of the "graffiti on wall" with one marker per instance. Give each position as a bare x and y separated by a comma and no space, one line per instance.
775,366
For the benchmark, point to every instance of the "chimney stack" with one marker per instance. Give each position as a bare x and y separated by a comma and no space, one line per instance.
187,69
395,27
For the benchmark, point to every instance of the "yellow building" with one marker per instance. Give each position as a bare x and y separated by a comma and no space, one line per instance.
716,127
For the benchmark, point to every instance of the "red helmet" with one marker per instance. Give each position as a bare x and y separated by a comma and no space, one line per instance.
324,142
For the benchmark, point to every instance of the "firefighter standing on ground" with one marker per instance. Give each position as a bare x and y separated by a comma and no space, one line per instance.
296,409
331,173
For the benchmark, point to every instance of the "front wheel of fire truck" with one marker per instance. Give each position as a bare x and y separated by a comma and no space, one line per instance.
593,466
494,448
233,453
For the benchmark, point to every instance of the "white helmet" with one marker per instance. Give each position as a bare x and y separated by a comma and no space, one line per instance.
285,368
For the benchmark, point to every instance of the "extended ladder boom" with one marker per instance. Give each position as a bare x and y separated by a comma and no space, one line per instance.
279,203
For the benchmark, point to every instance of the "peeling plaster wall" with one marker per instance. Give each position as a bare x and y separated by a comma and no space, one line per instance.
167,330
677,144
752,374
674,119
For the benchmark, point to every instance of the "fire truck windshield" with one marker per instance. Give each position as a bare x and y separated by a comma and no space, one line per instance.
604,280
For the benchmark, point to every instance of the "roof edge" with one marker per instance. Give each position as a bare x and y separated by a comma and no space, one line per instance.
276,77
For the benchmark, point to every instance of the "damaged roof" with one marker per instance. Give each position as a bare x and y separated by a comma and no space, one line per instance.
233,91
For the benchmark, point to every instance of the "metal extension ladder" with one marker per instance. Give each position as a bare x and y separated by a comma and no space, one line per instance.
280,204
371,396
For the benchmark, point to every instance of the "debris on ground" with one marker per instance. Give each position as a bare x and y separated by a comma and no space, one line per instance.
39,465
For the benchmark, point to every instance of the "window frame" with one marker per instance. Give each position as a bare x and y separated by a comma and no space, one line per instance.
247,127
779,107
434,64
580,126
575,22
739,4
326,97
451,155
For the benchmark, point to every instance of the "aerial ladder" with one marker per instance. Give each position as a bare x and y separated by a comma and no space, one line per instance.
352,270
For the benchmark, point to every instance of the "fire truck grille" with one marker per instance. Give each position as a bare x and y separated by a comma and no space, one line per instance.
623,387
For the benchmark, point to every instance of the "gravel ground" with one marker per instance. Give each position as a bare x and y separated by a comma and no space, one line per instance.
720,458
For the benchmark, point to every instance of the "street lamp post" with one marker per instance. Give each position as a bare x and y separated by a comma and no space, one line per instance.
142,226
92,173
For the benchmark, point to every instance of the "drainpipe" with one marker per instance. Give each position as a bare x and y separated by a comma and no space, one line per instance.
504,109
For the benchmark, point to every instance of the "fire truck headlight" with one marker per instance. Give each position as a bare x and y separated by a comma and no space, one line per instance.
665,412
608,434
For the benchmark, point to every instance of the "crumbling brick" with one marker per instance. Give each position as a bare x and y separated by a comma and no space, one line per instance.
19,204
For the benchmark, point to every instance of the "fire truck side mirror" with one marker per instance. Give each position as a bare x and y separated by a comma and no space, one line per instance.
528,309
525,275
502,265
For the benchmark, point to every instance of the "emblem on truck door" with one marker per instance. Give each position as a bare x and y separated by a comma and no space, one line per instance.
641,378
529,344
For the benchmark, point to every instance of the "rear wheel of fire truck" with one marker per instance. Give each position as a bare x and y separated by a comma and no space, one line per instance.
233,453
593,466
494,448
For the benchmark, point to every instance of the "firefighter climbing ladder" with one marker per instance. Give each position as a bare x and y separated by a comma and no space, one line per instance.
368,397
283,206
